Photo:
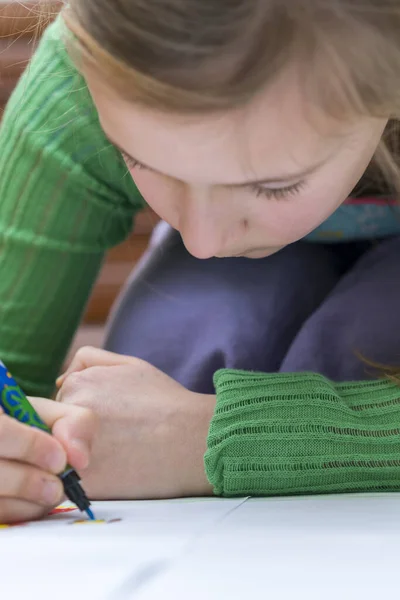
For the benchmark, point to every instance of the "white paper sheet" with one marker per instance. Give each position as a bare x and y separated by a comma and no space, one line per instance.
61,559
315,548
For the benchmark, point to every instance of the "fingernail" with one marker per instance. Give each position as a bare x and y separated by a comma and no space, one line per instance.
83,449
56,461
51,492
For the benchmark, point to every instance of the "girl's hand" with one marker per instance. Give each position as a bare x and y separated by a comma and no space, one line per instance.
30,459
152,431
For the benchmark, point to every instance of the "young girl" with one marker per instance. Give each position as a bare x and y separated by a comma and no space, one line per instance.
262,130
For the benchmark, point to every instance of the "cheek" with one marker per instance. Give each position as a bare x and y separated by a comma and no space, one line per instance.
159,193
287,221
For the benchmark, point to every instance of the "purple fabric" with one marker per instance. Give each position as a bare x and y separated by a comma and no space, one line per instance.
309,307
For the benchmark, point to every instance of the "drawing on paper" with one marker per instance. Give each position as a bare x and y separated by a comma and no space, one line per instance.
62,510
89,522
9,525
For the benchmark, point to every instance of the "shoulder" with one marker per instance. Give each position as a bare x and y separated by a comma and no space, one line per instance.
52,112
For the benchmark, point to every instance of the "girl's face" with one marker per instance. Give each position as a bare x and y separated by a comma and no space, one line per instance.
246,183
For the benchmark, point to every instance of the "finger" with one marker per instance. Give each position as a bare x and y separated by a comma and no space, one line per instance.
14,510
29,483
77,436
87,357
73,426
30,445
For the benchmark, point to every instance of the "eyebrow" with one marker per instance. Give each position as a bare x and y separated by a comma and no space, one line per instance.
272,180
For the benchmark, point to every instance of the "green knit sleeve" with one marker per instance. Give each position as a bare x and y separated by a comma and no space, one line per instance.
282,434
66,198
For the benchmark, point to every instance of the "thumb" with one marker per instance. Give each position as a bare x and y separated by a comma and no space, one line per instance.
88,356
73,426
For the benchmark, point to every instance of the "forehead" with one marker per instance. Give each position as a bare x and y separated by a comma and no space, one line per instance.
278,132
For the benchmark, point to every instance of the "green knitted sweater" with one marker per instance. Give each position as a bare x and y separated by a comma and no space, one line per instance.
65,200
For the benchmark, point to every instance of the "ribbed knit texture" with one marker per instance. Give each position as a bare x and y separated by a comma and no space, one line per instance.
301,433
65,198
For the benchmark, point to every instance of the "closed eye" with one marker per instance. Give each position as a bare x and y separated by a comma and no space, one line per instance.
132,163
282,193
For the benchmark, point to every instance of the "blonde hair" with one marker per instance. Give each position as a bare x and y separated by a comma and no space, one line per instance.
199,56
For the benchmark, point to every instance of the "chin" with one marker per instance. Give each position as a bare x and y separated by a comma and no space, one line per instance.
261,253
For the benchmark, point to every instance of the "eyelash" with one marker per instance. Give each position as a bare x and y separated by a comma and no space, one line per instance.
270,193
131,163
278,193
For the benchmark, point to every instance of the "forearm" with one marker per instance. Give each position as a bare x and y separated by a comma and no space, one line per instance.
296,434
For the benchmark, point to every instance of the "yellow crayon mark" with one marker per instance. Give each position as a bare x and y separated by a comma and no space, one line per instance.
87,521
8,525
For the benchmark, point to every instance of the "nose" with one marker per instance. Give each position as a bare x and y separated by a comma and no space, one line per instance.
201,223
